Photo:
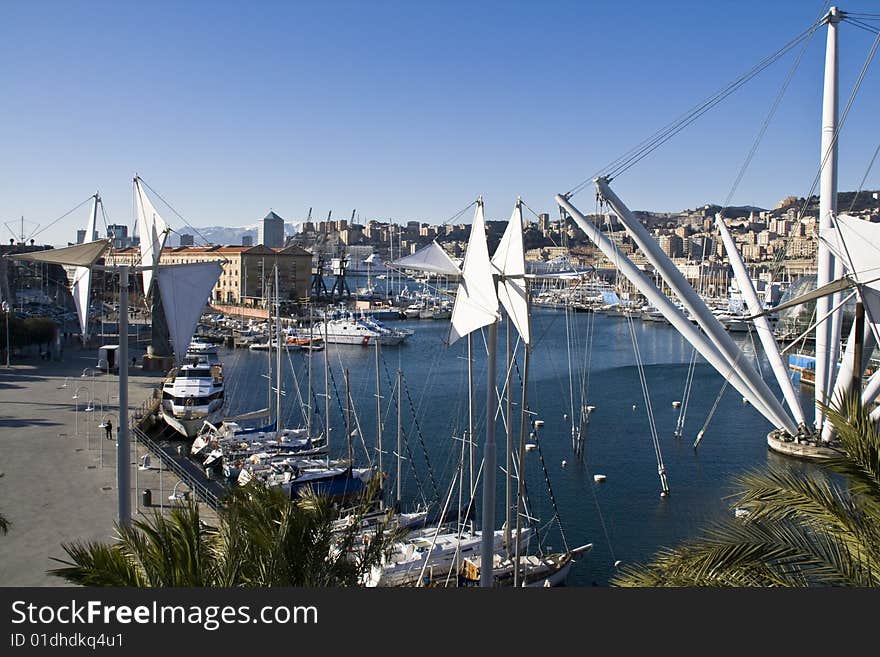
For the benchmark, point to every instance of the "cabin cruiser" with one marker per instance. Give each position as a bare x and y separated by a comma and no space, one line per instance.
361,331
191,394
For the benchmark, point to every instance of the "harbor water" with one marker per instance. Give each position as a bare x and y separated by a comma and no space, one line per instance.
624,516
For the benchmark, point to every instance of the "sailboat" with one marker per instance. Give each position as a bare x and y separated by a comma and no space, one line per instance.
484,282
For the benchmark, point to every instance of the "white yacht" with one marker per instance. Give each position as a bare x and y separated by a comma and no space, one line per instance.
192,394
361,331
431,554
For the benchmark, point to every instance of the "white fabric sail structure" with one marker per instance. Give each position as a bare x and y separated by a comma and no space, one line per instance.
476,302
855,243
509,261
153,231
82,278
185,290
431,258
80,255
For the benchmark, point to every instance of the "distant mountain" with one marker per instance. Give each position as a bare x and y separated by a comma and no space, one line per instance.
227,235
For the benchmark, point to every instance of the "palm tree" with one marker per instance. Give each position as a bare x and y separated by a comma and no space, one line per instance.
801,529
262,539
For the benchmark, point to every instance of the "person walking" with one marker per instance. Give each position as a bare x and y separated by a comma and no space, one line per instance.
108,429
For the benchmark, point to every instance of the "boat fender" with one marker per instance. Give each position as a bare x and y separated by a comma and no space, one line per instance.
365,341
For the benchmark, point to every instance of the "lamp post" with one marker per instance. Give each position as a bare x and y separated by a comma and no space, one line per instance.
88,409
75,399
103,425
8,310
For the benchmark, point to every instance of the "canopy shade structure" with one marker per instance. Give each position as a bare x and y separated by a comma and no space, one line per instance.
80,255
185,290
431,258
476,302
832,287
153,231
509,261
82,278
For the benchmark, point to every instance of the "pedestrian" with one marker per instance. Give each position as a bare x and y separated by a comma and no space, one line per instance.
108,428
134,361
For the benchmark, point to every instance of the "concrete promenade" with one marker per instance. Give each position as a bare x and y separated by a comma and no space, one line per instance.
53,487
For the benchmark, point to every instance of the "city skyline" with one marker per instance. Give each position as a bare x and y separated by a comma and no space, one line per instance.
406,112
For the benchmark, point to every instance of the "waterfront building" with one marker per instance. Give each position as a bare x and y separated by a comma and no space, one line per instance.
248,272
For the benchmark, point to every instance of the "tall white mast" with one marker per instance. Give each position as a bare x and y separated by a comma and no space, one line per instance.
827,338
691,333
277,357
765,333
697,307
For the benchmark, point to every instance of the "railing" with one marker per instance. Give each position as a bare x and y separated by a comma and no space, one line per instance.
197,487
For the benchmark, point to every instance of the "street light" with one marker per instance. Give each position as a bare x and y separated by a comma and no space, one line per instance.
104,425
88,409
8,310
76,408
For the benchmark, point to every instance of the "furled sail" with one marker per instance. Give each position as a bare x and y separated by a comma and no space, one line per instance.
185,290
509,261
153,232
431,258
476,303
82,278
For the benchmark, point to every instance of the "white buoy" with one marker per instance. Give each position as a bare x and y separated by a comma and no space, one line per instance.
599,478
634,407
563,462
617,563
590,409
565,416
663,494
676,404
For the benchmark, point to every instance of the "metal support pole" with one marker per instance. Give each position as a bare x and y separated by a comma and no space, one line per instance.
123,451
857,352
489,457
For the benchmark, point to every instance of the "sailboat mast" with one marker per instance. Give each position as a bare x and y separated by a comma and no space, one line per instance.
348,415
399,434
489,458
826,349
471,441
521,465
508,492
309,406
326,391
277,358
378,410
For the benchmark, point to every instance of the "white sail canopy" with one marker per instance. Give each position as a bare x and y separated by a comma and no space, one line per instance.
509,261
856,243
476,303
82,279
153,231
431,258
81,255
185,290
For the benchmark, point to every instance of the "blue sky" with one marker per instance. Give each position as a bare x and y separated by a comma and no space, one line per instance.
404,110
